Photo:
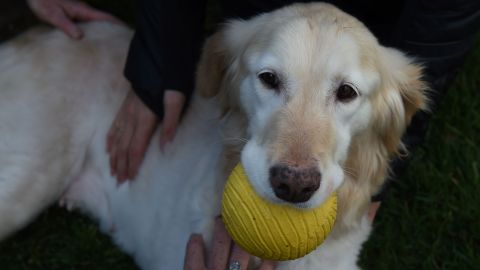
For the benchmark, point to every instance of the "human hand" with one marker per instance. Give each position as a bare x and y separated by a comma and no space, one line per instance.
133,128
222,256
64,13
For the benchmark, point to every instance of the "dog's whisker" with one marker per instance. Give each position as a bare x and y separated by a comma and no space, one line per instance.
236,139
349,171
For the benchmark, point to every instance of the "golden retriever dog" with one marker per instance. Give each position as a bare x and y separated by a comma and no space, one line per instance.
305,91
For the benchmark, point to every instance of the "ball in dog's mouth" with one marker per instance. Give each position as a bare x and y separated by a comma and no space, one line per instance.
271,231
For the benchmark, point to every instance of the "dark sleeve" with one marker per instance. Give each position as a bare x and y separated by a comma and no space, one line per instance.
164,49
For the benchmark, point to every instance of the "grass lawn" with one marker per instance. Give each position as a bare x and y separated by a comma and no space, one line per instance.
430,219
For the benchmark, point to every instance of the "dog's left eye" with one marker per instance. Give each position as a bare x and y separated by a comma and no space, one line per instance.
269,79
346,93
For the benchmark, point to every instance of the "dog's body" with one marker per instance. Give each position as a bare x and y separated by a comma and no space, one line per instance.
54,119
59,97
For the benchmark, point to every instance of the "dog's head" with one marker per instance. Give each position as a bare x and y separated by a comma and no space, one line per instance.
317,103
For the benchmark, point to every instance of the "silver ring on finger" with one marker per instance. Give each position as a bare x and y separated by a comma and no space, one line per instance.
234,265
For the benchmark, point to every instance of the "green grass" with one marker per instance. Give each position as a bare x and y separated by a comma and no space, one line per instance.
61,240
430,219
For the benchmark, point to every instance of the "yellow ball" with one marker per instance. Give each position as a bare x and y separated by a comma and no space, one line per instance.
271,231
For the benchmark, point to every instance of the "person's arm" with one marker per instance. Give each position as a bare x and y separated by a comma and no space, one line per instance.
160,66
165,48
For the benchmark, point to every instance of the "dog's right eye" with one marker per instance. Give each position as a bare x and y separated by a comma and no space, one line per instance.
346,93
270,80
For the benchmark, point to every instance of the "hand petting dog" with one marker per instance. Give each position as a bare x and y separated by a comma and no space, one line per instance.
134,125
64,13
223,255
133,128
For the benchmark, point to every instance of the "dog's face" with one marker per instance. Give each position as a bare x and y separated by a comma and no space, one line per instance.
314,90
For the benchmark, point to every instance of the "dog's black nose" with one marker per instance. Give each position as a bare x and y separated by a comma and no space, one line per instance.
294,184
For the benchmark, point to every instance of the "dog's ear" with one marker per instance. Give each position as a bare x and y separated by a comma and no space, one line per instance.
220,62
212,65
401,93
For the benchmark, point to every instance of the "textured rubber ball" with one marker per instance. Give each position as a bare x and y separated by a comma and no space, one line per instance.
271,231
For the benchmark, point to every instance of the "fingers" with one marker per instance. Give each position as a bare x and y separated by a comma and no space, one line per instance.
83,12
62,13
146,125
241,256
114,135
51,11
173,105
60,20
125,129
134,125
129,137
195,253
218,257
222,255
267,265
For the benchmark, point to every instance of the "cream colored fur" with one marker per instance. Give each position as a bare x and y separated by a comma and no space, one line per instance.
58,98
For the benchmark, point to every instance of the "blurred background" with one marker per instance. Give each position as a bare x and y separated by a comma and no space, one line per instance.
430,218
